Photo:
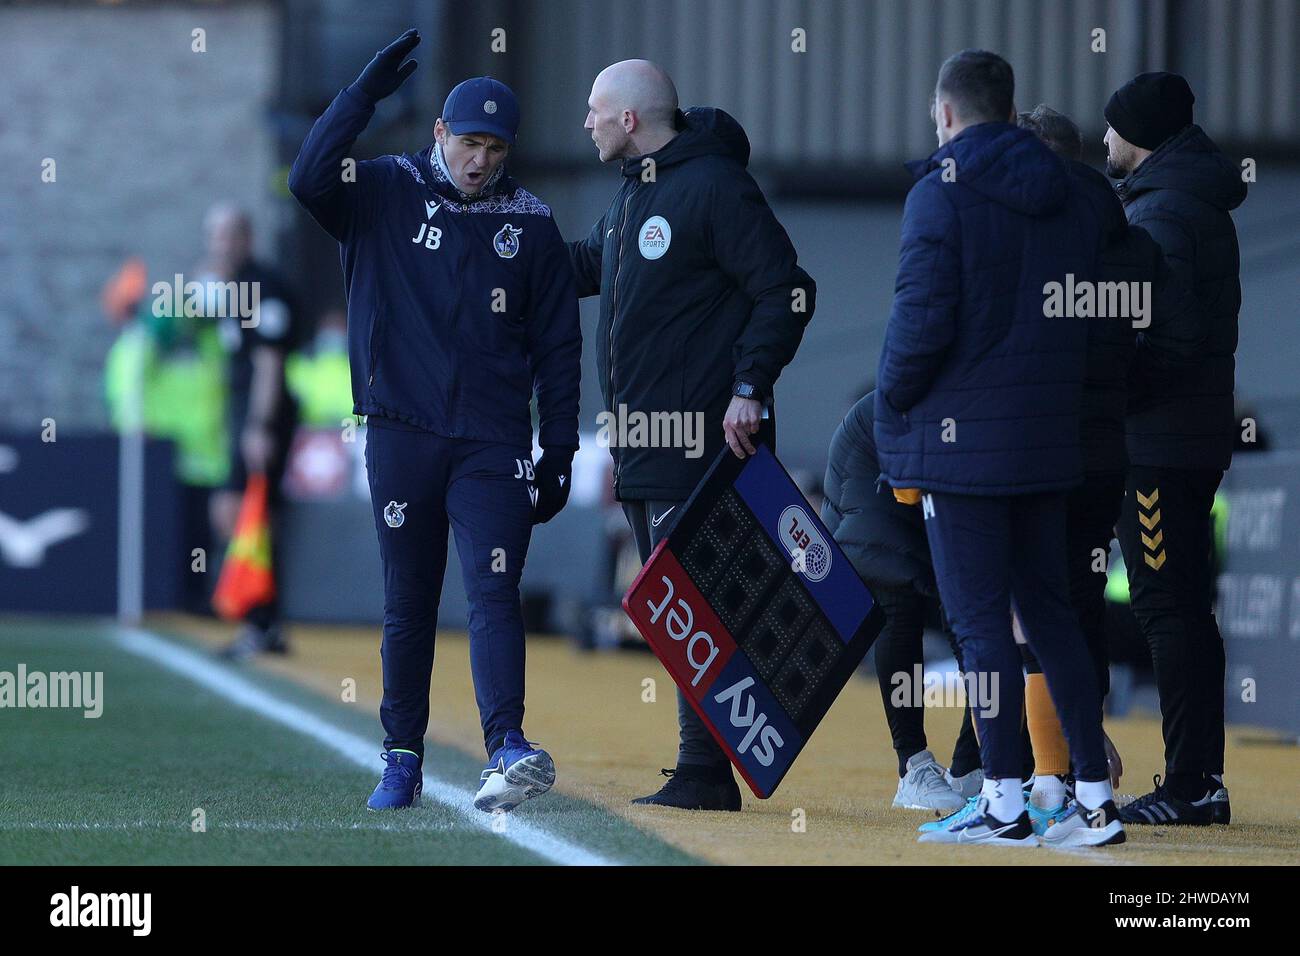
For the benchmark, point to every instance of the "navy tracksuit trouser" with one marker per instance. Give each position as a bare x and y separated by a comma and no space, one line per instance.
993,553
421,484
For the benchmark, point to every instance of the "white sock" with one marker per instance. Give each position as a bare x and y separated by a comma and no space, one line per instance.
1006,797
1093,793
1049,791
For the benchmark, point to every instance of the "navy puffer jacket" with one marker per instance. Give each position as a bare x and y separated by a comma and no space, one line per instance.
885,540
978,392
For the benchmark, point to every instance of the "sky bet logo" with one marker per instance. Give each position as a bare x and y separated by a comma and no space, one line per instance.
769,738
702,656
701,651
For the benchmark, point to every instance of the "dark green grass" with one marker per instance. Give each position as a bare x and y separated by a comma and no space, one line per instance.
124,788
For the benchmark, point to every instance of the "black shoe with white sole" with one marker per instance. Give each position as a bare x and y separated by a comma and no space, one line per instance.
1220,808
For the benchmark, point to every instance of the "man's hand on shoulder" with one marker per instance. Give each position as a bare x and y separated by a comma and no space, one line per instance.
386,72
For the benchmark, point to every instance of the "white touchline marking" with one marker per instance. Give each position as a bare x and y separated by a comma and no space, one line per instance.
359,750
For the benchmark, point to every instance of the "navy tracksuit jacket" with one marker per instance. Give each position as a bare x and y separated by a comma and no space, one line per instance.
459,308
978,404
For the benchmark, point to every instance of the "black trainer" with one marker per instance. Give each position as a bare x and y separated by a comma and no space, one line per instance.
1220,808
1161,808
690,788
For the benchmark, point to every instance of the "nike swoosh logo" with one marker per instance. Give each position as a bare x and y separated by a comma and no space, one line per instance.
654,522
964,838
430,208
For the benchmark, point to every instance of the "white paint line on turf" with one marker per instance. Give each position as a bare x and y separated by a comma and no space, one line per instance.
359,750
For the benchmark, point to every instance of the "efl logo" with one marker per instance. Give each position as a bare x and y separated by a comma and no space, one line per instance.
800,537
655,237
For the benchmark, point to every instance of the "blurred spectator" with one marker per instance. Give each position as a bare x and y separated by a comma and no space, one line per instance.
261,413
320,379
165,374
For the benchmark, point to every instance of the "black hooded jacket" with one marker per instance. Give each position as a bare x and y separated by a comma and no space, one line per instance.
1128,255
700,290
883,538
1182,416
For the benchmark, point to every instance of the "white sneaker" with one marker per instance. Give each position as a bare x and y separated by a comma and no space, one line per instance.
968,784
1082,827
980,826
925,787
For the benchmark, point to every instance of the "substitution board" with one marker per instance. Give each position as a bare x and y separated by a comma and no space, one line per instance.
755,612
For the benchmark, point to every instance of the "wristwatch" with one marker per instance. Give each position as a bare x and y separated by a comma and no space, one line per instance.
746,390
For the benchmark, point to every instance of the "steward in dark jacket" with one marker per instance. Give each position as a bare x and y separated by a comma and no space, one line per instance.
701,291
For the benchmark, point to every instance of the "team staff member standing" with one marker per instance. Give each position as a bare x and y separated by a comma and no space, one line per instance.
977,404
702,305
460,303
1180,188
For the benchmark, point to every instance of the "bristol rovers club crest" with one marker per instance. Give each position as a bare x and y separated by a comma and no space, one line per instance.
506,242
393,514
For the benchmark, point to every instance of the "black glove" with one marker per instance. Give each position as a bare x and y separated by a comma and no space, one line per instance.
552,476
386,72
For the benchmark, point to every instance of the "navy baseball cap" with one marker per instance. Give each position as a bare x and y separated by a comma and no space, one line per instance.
482,105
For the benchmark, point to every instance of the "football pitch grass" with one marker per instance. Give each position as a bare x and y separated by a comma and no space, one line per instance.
279,757
185,740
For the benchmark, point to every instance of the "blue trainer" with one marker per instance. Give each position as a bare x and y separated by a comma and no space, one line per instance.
955,817
401,783
518,771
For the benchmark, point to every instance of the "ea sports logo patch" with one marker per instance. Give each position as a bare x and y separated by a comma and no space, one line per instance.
655,237
393,516
799,535
506,242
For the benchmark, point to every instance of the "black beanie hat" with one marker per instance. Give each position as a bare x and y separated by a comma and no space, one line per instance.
1150,108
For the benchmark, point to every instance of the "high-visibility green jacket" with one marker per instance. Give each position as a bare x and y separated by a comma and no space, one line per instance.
179,366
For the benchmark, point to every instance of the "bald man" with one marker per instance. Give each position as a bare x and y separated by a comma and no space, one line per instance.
261,414
703,303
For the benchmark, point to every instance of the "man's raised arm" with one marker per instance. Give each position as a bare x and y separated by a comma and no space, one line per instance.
318,178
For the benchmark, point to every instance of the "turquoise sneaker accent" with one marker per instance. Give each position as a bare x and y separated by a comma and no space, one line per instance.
1040,818
955,817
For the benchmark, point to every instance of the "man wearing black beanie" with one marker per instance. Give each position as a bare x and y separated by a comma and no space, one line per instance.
1179,431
